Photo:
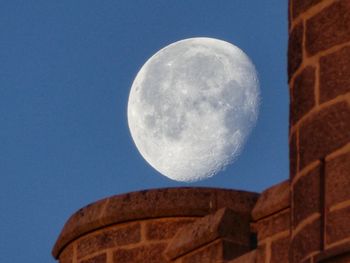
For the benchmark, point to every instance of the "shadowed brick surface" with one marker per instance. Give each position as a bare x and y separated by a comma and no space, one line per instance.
329,27
324,132
246,258
306,196
334,74
303,90
337,254
107,238
67,255
145,254
300,6
293,156
272,200
305,242
273,224
224,223
338,179
337,225
96,259
157,230
215,252
279,250
295,51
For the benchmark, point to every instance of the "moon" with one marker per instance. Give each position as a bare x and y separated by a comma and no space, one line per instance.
192,106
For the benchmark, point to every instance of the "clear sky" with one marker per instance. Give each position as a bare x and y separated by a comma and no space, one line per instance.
66,68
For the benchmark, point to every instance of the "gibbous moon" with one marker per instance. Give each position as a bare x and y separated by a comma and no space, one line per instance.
192,106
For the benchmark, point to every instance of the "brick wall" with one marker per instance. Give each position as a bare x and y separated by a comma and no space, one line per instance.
319,80
180,225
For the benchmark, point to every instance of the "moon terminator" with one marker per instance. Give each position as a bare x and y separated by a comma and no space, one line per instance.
192,106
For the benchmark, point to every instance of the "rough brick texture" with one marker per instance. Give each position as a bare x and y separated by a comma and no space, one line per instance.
166,228
273,224
152,253
300,6
293,156
306,196
96,259
271,201
157,203
337,225
246,258
324,132
334,74
279,250
295,49
338,179
328,28
217,251
336,254
108,238
67,255
302,94
305,242
224,224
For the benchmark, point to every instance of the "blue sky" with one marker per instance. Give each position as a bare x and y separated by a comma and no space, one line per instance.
66,68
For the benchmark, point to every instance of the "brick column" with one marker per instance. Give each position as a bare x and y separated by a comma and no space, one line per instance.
319,81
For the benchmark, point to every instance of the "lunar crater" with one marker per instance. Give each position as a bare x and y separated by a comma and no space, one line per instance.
192,106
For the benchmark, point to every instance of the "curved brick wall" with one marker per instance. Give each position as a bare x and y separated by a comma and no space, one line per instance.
137,227
319,80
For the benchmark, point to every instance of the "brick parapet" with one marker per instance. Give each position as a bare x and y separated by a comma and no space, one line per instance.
137,227
271,223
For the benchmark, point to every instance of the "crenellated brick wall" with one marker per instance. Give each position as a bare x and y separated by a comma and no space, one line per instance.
319,80
305,219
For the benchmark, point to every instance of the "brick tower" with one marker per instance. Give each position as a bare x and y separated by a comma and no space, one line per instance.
319,80
305,219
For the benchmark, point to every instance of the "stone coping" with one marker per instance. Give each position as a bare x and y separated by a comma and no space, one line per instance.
154,203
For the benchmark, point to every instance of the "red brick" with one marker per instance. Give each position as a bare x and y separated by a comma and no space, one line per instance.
334,74
155,203
66,255
324,132
300,6
215,252
145,254
160,229
336,254
96,259
279,250
246,258
293,156
329,27
344,258
306,196
261,254
295,49
225,223
303,94
305,242
274,224
272,200
108,238
337,225
338,179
